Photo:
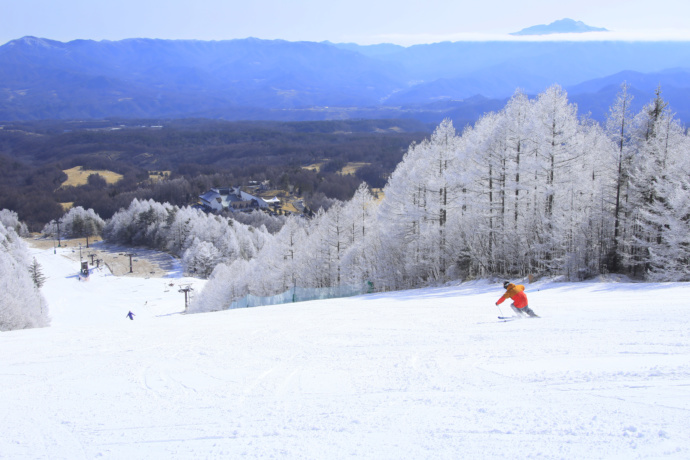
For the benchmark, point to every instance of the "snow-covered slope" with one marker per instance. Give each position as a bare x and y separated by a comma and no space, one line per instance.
431,373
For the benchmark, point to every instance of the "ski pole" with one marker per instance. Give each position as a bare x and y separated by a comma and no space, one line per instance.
499,310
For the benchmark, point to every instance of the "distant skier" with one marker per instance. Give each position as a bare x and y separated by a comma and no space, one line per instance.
517,294
131,315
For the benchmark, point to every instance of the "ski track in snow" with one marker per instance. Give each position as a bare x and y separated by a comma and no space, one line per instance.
422,374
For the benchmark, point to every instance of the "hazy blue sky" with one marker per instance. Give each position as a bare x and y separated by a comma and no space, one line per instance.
363,21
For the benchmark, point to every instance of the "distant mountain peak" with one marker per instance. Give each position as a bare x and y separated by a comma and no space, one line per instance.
562,26
35,42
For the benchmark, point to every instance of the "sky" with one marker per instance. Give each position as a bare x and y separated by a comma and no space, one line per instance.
404,22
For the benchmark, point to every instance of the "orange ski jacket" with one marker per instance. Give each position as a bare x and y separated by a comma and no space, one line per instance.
517,294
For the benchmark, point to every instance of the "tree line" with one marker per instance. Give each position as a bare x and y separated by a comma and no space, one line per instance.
530,190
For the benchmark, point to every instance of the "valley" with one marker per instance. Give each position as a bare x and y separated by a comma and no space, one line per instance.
177,160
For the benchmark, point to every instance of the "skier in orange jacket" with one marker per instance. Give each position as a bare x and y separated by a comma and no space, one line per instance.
517,294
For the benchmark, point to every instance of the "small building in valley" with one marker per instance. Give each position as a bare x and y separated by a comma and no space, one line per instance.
234,199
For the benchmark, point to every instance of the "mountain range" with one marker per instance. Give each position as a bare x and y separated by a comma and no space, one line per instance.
280,80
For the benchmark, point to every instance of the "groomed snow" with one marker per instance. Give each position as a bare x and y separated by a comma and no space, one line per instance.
430,373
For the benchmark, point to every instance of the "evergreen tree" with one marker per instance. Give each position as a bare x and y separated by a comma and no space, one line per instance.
37,275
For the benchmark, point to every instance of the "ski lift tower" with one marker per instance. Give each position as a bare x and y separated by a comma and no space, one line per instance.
57,222
130,255
186,290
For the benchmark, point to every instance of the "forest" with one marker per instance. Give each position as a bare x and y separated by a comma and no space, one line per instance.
534,189
199,154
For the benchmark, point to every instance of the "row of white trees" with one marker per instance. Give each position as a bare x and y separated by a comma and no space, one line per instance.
532,189
523,191
535,189
21,303
76,223
201,240
651,171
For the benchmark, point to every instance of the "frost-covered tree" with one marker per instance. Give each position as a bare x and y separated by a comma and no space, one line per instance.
10,219
143,223
358,262
668,218
661,167
527,187
77,223
555,138
36,273
21,304
318,265
201,258
593,219
418,199
619,127
227,283
289,245
201,240
258,218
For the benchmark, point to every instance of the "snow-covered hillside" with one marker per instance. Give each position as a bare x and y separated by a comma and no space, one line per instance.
430,373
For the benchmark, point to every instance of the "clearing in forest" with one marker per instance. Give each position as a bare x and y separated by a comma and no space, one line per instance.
78,176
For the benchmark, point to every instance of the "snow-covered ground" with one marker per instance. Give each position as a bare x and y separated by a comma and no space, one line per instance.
430,373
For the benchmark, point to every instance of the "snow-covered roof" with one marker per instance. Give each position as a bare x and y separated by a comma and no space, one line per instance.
209,196
224,196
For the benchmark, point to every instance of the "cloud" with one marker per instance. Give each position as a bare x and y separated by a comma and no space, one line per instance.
620,35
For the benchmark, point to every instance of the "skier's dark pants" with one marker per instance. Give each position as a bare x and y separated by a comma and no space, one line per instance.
526,310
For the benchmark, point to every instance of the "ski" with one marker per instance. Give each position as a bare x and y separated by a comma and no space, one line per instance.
511,318
508,318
